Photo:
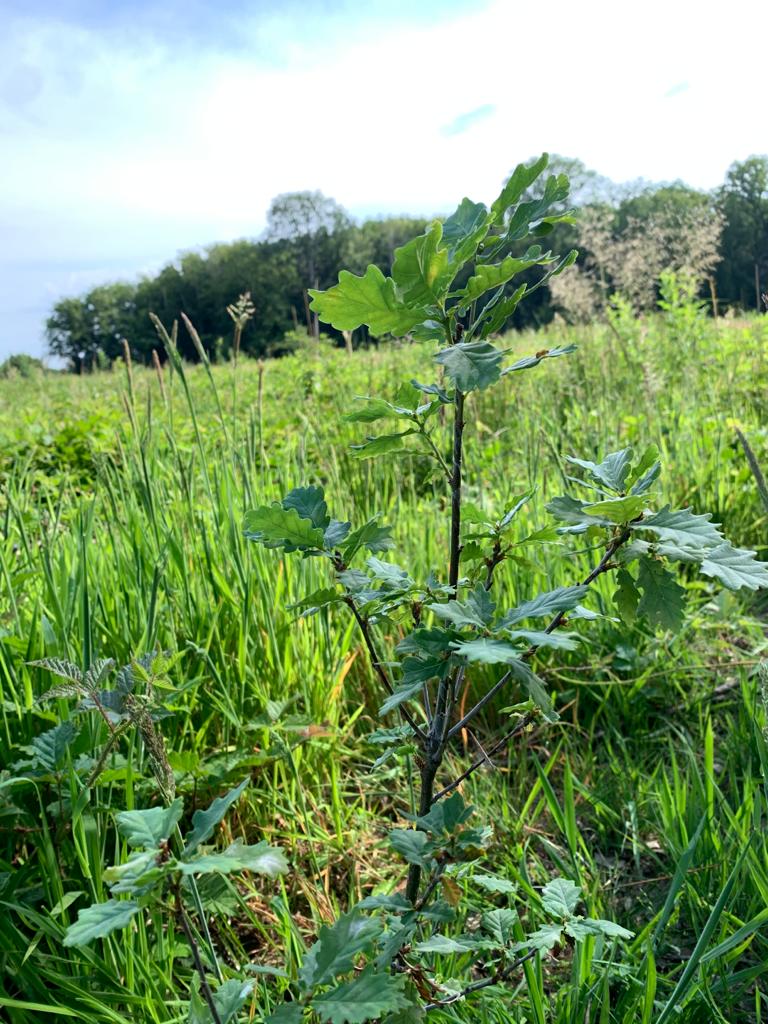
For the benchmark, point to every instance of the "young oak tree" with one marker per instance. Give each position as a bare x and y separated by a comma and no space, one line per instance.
450,622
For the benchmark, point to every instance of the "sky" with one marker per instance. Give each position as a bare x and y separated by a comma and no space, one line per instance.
132,130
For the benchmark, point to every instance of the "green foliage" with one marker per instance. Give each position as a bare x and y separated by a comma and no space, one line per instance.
367,997
662,601
228,1000
310,239
559,898
455,622
262,858
279,526
372,300
147,828
472,366
152,867
100,920
22,365
204,822
562,599
660,778
337,948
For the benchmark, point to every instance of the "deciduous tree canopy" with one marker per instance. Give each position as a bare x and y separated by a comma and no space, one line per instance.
627,235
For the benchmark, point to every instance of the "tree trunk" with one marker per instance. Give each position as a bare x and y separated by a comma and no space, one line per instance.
713,295
757,286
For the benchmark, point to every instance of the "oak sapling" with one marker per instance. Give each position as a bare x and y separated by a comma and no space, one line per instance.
450,622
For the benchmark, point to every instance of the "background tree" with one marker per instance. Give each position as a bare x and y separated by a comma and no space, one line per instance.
85,331
315,225
627,235
626,248
743,201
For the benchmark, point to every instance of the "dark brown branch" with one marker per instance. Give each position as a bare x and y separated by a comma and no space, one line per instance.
379,668
199,967
524,722
497,555
455,548
431,886
603,565
437,736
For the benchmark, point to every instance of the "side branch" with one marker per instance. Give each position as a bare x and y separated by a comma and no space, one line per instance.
199,966
603,565
500,975
524,722
378,667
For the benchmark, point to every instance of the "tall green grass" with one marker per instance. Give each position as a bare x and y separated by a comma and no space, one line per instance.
120,509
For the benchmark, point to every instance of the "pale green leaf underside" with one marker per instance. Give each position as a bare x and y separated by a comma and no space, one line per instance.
735,567
261,858
472,366
99,920
553,601
612,472
560,897
146,828
682,527
534,688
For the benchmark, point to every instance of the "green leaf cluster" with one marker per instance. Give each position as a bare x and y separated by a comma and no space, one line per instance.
421,293
559,899
152,865
300,522
652,538
330,986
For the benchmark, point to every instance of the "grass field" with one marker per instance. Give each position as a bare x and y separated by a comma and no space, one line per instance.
121,503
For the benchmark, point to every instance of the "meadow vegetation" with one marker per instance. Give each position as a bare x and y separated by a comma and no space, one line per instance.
122,500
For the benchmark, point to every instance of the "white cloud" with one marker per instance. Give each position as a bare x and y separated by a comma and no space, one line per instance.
119,149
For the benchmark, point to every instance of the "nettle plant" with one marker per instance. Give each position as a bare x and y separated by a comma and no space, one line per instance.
161,865
394,956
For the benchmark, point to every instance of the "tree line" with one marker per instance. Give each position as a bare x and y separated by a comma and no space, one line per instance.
627,235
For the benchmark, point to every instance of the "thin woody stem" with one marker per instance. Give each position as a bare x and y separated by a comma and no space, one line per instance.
199,966
476,986
379,669
436,739
524,722
603,566
435,451
458,433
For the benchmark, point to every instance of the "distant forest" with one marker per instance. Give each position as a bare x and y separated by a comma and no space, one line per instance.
627,236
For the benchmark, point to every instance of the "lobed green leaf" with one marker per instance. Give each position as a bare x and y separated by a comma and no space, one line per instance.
422,269
471,365
100,920
261,858
371,299
146,828
204,822
282,527
560,897
662,601
367,997
337,946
